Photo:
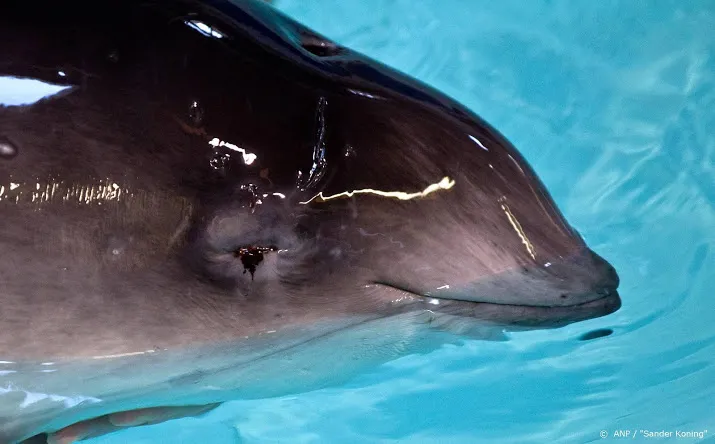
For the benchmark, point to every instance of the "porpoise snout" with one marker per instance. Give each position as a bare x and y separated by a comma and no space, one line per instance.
587,276
573,288
610,280
567,281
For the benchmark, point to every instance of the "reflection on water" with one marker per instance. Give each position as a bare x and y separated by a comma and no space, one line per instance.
613,103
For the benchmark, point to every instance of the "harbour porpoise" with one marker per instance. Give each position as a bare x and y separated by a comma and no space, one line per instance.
206,200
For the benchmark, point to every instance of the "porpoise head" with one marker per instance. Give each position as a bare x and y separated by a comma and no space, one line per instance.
389,183
182,176
209,169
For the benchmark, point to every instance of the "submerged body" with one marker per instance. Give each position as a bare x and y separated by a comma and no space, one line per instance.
209,201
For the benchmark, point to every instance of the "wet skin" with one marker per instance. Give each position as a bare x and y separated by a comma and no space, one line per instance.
215,173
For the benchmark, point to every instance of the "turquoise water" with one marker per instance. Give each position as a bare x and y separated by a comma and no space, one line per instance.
613,103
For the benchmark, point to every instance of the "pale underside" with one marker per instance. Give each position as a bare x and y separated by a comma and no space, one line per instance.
40,397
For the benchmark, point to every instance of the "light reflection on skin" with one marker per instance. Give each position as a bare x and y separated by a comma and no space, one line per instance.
281,195
478,142
54,191
517,227
106,191
363,94
248,158
445,184
35,397
19,91
122,355
204,29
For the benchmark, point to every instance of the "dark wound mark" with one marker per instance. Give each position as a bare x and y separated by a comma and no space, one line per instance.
251,257
595,334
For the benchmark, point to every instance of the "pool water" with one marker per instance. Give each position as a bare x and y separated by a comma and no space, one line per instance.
613,103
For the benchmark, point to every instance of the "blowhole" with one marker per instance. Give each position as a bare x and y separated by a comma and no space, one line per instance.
319,46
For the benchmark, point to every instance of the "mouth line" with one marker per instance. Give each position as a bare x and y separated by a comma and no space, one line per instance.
611,295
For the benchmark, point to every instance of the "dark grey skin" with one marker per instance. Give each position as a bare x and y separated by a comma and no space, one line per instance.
148,266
